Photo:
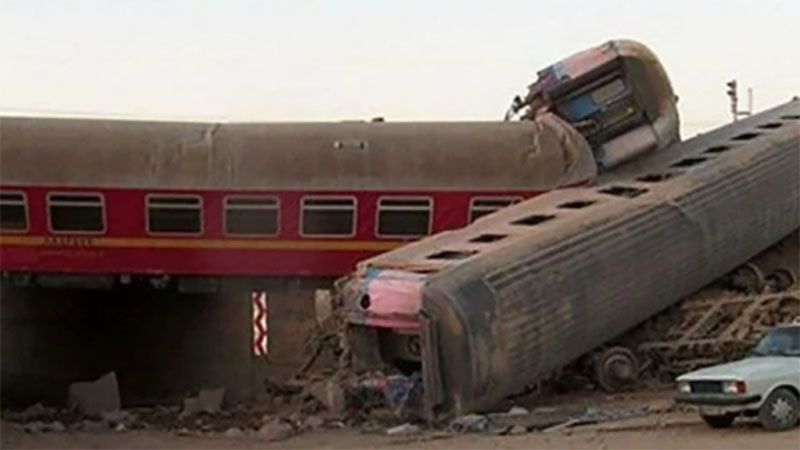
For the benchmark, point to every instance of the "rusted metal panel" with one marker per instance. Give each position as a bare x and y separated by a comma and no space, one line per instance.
535,155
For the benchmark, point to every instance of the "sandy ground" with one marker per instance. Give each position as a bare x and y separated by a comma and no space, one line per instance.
673,430
676,431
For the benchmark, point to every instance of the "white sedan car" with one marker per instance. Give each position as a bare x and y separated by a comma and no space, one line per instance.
766,384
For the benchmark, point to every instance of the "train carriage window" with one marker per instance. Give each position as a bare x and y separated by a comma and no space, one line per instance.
328,216
13,212
482,206
76,213
404,217
251,216
174,214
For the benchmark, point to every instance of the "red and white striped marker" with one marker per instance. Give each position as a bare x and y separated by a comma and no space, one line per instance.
260,328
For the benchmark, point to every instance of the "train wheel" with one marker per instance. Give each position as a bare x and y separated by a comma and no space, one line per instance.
748,278
615,368
781,280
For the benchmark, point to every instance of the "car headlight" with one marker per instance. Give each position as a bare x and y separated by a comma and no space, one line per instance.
684,388
734,387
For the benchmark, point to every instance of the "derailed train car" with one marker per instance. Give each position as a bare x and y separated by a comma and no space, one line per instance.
250,199
617,95
489,309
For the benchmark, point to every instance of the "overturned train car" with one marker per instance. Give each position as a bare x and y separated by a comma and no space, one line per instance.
617,95
491,308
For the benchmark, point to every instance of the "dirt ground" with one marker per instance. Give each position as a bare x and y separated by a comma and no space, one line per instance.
669,429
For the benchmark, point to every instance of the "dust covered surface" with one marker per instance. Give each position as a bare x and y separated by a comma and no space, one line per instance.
663,426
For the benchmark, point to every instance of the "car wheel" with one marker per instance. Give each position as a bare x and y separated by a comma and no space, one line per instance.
780,410
721,421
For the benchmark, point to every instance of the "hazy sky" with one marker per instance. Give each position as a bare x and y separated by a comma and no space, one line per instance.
405,60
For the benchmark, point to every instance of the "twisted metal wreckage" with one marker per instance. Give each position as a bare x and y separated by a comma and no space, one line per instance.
484,311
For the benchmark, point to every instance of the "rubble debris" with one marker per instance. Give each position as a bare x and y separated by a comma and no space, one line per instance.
538,420
32,412
406,429
401,390
313,422
44,427
274,431
120,417
517,430
517,411
323,305
207,400
561,426
95,397
400,393
233,432
92,426
471,423
331,395
34,427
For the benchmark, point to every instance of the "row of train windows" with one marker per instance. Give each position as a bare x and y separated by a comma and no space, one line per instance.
243,215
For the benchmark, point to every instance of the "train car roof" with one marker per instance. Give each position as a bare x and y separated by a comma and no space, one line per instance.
313,156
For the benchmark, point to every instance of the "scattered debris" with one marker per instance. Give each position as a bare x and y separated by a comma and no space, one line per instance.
32,412
233,432
34,427
471,423
406,429
323,305
561,426
517,411
44,427
120,417
93,426
331,395
95,397
274,431
517,430
313,422
402,391
207,400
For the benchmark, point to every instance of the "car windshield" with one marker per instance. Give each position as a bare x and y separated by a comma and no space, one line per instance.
779,342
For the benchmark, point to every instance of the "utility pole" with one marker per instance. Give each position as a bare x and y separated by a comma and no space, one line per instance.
732,93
